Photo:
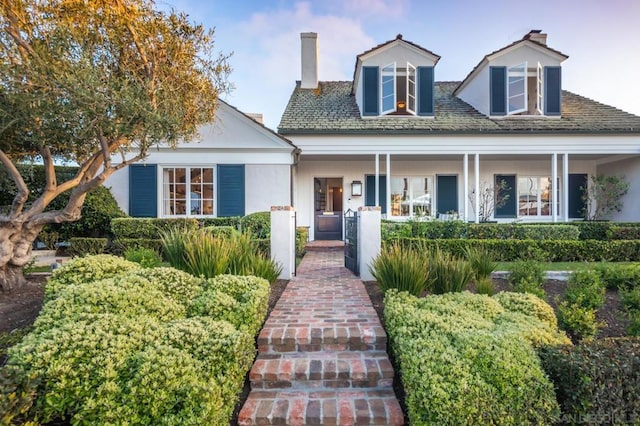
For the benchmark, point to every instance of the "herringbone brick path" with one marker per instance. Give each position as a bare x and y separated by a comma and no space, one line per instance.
321,354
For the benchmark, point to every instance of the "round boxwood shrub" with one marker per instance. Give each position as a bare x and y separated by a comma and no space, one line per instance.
85,270
179,285
125,295
258,224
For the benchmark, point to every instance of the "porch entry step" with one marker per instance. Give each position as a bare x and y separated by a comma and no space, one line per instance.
352,336
322,370
321,407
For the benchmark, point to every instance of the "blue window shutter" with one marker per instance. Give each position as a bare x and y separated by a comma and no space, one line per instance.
498,90
230,185
370,191
577,185
552,91
510,207
425,91
370,87
447,193
143,190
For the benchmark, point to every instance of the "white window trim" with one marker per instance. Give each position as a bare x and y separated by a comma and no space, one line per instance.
411,70
553,202
540,89
385,72
161,198
524,77
412,197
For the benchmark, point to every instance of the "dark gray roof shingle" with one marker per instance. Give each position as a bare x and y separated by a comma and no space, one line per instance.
332,109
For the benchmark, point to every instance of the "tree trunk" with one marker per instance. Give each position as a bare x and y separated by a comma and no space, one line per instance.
11,277
16,241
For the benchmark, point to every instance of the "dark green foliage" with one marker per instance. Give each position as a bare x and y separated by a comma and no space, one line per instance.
601,230
302,236
147,258
17,393
136,227
404,269
34,178
583,296
630,298
121,245
585,289
527,276
542,250
258,224
596,382
98,210
619,276
623,233
506,231
81,246
233,221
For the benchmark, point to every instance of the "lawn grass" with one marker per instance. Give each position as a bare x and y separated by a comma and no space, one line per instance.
561,266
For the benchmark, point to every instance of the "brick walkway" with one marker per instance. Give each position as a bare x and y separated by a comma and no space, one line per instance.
322,356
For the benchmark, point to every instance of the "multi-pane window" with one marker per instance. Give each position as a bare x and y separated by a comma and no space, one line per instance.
534,196
398,89
187,191
517,88
388,91
411,196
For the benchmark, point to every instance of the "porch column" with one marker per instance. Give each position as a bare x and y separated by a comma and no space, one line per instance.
283,239
465,186
476,165
388,200
565,186
554,186
377,196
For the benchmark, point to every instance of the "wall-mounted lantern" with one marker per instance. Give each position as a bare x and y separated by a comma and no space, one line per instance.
356,188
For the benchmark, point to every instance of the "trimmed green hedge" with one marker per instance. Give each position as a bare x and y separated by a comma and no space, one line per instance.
258,224
469,359
543,250
114,341
302,236
148,228
597,382
623,233
233,221
81,246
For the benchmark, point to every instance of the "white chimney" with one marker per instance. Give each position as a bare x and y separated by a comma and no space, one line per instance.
538,36
309,60
256,116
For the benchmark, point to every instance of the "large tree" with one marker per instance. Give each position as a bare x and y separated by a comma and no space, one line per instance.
86,81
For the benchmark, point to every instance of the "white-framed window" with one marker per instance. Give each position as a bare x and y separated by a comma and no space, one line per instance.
535,196
411,196
388,86
540,88
187,191
517,88
411,89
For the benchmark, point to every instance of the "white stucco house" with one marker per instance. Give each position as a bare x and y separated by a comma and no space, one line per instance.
397,138
237,167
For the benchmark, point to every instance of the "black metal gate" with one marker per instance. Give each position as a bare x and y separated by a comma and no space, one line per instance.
351,241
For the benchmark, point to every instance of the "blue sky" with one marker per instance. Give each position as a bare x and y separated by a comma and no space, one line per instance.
601,37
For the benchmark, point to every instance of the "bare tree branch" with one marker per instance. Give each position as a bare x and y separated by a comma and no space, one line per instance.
13,29
23,192
49,169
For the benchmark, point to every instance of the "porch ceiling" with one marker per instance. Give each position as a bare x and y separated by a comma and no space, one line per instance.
450,157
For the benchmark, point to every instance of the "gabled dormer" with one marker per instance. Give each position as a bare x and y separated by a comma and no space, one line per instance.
521,79
395,79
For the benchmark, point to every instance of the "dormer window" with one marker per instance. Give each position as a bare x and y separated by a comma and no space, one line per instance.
397,91
520,90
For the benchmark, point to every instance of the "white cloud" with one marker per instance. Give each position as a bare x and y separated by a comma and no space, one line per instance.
266,61
377,8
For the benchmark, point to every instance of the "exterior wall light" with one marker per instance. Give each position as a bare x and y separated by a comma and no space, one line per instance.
356,188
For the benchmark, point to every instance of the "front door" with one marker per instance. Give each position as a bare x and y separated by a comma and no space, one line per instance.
327,196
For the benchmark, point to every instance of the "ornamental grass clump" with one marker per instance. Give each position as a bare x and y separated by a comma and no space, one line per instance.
482,262
200,253
468,359
451,273
403,269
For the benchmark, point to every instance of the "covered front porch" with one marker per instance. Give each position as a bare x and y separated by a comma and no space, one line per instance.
528,187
